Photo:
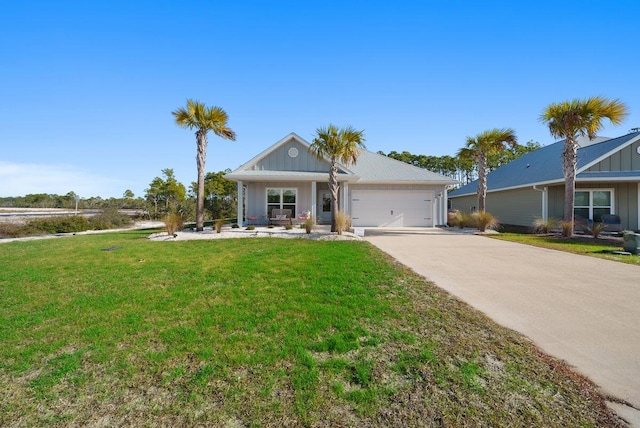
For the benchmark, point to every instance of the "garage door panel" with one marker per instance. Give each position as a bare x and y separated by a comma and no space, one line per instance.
392,208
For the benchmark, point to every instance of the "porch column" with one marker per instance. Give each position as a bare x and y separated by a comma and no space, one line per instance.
314,201
344,205
240,207
444,212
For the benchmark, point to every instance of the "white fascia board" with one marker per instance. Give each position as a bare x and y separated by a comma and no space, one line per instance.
520,186
321,176
424,182
607,179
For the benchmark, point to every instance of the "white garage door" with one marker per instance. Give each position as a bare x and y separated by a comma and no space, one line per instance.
391,208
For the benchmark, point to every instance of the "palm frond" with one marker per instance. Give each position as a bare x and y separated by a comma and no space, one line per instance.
339,144
487,142
569,119
197,115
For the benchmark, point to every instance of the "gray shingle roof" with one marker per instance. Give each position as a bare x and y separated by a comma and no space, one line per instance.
544,166
375,168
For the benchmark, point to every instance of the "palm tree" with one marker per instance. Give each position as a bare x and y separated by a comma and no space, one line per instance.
479,148
571,119
204,119
339,145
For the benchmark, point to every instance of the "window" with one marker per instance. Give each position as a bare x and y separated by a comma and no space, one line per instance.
326,202
592,204
281,199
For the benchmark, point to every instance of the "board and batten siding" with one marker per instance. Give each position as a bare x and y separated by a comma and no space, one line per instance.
626,159
625,201
516,207
257,196
464,204
279,160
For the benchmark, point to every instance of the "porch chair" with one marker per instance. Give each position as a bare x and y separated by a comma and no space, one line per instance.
611,223
280,216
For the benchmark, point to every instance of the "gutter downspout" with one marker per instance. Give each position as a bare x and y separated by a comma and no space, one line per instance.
545,202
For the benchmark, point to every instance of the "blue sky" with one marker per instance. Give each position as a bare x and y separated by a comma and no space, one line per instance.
87,87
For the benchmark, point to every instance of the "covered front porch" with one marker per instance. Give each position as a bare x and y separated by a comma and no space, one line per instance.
258,199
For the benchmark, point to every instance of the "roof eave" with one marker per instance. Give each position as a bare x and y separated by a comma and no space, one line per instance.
600,179
322,176
425,182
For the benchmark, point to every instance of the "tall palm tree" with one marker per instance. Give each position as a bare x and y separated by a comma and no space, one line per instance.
571,119
479,148
340,146
204,119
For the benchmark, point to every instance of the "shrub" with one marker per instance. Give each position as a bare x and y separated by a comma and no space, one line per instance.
173,222
288,226
11,230
57,224
451,217
567,228
461,220
235,226
250,227
218,225
308,225
484,220
343,222
109,219
544,226
596,229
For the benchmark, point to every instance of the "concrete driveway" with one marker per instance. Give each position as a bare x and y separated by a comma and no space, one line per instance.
580,309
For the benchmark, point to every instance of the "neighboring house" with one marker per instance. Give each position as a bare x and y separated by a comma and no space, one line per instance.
375,191
607,182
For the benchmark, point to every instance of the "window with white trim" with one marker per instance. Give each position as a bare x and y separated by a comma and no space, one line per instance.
282,199
592,204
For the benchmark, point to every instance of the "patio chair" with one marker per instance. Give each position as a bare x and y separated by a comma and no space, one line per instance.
611,223
581,224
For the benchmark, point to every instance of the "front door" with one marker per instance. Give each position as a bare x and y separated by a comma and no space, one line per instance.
324,208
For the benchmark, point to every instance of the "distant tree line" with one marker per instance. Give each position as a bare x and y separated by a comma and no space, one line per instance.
164,195
462,168
68,201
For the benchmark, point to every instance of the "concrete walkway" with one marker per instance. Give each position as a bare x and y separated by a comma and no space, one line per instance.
580,309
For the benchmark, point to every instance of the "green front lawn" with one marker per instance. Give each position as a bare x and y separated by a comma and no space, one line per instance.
584,245
115,330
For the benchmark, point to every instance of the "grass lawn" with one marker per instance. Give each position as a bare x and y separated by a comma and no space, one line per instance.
584,245
115,330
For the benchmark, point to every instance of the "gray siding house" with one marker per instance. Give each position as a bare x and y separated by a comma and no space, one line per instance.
376,191
607,182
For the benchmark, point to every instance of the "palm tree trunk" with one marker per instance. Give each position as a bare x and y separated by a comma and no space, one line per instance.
482,182
334,188
569,159
201,138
